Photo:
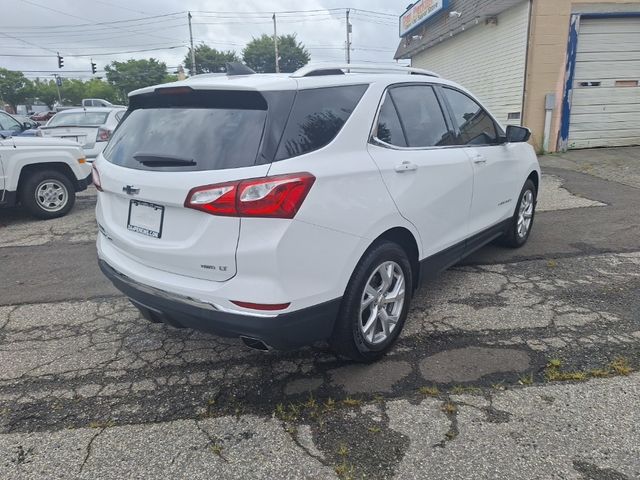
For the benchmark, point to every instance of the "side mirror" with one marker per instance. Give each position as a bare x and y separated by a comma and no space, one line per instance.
517,134
27,126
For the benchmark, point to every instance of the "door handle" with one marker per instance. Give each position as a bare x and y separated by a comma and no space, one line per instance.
406,167
479,160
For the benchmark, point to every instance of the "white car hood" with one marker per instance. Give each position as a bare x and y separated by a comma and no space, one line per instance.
37,142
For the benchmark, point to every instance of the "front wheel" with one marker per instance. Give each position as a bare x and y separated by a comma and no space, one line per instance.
47,194
522,221
375,305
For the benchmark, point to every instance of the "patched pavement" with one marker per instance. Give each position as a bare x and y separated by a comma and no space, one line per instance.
516,363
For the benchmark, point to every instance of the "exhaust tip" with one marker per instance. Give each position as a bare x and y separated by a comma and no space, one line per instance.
255,344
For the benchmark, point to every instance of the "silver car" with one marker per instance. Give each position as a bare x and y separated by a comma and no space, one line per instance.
90,127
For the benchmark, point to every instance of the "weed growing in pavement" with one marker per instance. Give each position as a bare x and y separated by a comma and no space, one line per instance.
432,391
526,379
621,366
450,408
343,451
345,471
375,429
462,389
553,373
102,424
351,402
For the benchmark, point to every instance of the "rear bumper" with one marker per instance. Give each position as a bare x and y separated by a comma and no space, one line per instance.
282,332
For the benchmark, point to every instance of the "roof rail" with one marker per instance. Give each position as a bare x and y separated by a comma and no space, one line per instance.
316,69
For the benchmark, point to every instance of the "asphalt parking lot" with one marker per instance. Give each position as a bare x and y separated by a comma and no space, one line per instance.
517,363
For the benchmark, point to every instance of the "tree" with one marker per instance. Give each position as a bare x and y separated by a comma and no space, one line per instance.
98,88
45,91
15,88
259,54
133,74
209,60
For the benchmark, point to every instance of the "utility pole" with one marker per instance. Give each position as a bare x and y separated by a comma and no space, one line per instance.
275,44
348,43
193,53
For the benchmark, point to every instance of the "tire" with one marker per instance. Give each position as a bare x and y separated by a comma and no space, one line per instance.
514,237
350,338
47,194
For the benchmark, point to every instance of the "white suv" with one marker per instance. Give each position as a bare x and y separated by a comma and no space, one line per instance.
286,209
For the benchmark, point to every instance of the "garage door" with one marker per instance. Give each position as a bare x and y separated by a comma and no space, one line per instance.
605,107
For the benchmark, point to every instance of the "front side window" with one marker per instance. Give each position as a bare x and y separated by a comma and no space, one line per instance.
317,116
420,115
475,124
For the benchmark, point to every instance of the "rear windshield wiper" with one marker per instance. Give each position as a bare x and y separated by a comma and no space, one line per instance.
157,160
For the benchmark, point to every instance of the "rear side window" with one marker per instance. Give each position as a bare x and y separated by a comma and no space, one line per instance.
475,124
213,130
78,119
389,127
421,116
316,118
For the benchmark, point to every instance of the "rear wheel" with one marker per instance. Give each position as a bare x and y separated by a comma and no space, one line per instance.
47,194
522,221
375,304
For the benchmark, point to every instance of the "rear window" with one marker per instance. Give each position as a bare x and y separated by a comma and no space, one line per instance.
78,119
316,118
214,131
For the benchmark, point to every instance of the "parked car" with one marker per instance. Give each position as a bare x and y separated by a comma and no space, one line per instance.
98,102
43,175
32,131
305,207
11,126
42,117
90,127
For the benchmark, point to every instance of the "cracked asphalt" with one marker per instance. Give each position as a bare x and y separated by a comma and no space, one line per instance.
513,364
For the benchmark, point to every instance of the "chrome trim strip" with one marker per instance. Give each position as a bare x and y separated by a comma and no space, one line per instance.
184,299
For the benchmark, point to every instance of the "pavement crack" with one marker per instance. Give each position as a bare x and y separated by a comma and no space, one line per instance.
89,446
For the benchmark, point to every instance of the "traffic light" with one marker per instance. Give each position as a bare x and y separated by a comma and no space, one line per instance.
93,67
60,61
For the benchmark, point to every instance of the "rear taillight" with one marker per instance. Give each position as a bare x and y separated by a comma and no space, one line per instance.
95,177
274,197
104,134
261,306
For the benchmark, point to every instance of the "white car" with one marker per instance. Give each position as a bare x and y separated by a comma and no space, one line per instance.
308,206
43,175
90,127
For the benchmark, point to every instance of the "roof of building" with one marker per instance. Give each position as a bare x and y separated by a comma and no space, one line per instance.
441,27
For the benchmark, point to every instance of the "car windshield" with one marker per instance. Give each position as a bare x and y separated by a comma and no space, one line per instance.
78,119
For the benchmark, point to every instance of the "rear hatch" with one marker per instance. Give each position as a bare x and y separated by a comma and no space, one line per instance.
167,144
81,127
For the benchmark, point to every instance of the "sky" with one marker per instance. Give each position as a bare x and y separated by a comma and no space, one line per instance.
79,30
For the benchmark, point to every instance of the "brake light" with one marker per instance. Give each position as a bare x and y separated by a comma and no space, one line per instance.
279,196
104,134
95,177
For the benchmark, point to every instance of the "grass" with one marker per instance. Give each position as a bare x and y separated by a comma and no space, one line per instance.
432,391
450,408
621,366
375,429
461,389
345,471
351,402
526,379
343,451
102,424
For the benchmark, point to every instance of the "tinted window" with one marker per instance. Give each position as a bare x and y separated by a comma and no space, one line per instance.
421,116
476,126
78,119
214,138
389,128
316,118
